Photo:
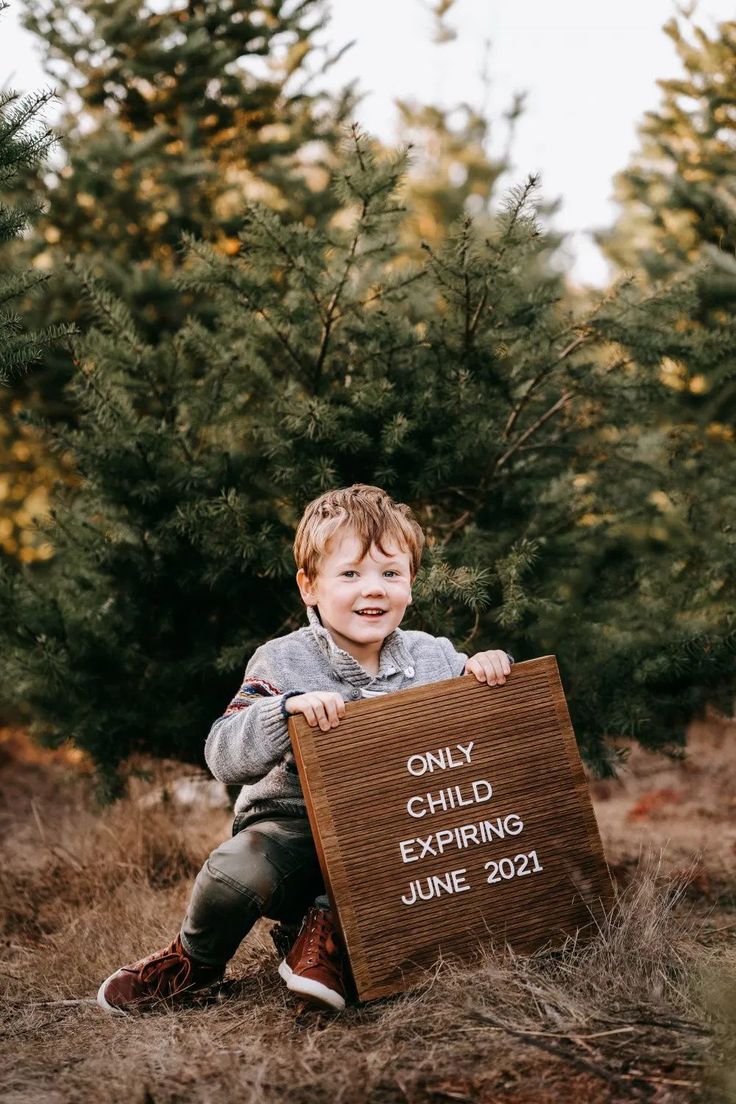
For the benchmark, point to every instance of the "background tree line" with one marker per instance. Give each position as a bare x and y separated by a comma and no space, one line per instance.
264,303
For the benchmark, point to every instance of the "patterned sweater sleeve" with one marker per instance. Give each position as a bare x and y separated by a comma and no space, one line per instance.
252,735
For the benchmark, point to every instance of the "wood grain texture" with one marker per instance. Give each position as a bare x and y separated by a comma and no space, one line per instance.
357,787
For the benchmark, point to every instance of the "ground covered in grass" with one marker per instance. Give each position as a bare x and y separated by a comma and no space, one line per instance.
645,1011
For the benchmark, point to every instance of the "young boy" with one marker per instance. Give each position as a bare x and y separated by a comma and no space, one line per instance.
357,553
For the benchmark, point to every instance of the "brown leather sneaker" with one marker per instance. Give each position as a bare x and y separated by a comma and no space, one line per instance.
284,936
157,981
315,966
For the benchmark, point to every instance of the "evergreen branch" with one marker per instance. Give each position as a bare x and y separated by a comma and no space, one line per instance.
558,405
110,310
20,148
120,322
610,295
229,281
542,374
383,353
179,436
226,277
453,526
330,319
124,416
105,400
440,263
214,397
19,283
516,206
355,132
478,311
382,291
472,634
294,261
557,440
466,286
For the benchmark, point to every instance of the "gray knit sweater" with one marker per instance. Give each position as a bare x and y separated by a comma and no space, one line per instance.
250,742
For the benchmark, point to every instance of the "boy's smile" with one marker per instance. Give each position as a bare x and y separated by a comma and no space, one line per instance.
360,598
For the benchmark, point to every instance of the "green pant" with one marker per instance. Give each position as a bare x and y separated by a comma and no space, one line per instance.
268,868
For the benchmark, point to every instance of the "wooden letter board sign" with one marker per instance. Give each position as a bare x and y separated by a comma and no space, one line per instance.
452,814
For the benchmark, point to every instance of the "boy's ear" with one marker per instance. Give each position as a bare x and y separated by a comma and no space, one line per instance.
306,589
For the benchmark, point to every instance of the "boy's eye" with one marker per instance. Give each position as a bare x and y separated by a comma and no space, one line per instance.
391,572
349,574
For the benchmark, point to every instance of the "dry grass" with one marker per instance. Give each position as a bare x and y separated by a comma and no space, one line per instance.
639,1013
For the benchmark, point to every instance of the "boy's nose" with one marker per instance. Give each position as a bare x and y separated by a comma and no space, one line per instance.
374,586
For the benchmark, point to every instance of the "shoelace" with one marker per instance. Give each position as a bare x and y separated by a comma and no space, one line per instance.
168,969
322,946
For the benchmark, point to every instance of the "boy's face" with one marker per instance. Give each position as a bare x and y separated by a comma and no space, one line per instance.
361,599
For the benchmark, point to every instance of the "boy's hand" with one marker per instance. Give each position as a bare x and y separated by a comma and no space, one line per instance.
319,708
491,667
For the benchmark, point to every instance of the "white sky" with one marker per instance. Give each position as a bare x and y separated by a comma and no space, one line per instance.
589,68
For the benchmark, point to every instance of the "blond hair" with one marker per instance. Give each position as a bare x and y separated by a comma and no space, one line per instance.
369,512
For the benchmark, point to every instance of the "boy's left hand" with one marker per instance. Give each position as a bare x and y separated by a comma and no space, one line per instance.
491,667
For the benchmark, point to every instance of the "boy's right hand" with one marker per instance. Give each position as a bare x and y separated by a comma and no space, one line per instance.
319,708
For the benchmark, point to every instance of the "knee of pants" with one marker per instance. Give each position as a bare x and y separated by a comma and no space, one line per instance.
242,863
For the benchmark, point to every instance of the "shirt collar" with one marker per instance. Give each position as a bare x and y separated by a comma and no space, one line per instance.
394,655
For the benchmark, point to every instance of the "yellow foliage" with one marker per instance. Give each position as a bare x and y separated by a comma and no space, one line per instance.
672,373
158,219
662,501
717,431
20,450
276,132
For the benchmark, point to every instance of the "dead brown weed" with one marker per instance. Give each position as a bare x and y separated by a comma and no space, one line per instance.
637,1013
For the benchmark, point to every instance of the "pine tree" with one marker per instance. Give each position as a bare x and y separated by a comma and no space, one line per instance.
25,140
491,413
677,197
452,174
174,116
678,219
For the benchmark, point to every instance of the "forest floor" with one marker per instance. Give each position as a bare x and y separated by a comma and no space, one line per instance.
645,1011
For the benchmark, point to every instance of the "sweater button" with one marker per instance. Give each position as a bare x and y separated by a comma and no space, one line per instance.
409,672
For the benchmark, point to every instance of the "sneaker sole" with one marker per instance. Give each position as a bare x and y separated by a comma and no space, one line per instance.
319,994
113,1010
103,1003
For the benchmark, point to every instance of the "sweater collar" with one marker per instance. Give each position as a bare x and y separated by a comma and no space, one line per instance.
394,655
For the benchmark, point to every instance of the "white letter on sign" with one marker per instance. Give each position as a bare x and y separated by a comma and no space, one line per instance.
477,795
424,889
422,765
406,851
